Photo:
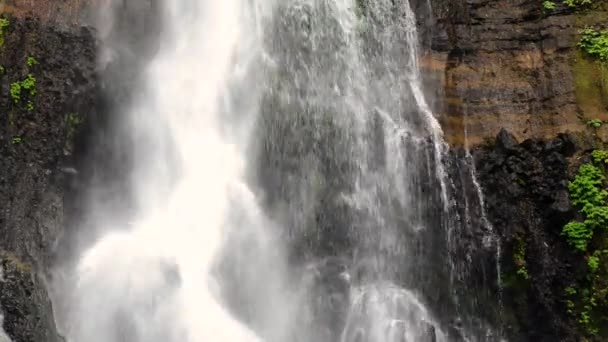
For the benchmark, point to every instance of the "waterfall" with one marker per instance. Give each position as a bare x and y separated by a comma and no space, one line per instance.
154,280
288,184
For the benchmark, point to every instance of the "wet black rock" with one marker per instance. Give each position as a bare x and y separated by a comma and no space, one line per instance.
35,144
25,303
525,186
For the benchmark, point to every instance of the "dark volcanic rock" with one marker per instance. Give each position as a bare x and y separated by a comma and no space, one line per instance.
25,304
526,194
36,148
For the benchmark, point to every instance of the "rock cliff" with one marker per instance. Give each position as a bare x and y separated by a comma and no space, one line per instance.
494,64
516,65
47,82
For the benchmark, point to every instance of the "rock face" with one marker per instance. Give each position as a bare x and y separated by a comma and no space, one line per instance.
37,133
499,63
527,201
515,65
512,72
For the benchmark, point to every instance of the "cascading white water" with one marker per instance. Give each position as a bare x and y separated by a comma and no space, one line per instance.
154,280
200,261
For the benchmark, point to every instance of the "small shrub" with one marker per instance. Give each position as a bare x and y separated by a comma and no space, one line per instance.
28,85
600,156
594,43
16,140
593,262
578,235
587,193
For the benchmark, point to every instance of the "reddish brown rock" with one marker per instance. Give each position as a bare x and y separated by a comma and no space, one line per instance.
511,64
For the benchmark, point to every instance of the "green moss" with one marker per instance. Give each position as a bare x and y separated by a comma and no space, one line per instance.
4,24
10,259
72,122
591,85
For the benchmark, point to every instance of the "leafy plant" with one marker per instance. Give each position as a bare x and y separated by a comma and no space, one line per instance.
595,123
594,43
577,3
28,85
16,140
16,92
549,5
587,193
593,262
600,156
31,61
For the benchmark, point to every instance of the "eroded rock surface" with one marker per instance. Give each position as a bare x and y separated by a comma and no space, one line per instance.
515,65
38,137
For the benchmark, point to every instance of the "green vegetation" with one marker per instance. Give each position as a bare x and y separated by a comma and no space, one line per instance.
31,61
577,3
600,157
72,121
593,262
594,43
587,193
595,123
549,5
10,260
4,23
16,140
28,85
519,258
586,299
